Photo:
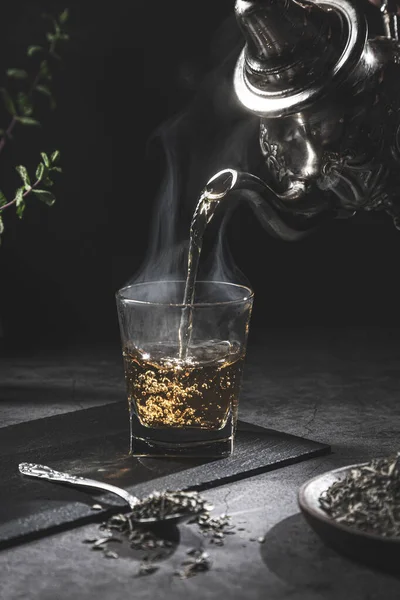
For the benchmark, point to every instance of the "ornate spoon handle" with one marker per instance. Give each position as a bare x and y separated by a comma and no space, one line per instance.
43,472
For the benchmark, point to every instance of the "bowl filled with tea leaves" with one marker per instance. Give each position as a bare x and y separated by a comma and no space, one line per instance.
356,510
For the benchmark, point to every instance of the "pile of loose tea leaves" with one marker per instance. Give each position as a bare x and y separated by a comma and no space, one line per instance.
135,527
368,498
166,505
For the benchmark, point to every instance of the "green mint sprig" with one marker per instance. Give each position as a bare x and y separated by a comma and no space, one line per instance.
42,180
19,99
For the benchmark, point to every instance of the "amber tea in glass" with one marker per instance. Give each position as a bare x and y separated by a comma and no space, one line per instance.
183,403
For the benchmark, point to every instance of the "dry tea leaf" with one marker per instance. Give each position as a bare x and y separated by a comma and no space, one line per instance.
367,498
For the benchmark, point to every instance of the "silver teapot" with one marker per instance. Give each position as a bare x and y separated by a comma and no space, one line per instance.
328,100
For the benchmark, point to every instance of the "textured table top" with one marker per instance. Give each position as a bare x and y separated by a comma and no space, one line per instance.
338,386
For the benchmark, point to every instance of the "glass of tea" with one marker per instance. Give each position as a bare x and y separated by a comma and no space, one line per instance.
183,365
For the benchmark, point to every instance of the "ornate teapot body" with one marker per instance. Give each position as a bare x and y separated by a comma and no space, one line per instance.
328,99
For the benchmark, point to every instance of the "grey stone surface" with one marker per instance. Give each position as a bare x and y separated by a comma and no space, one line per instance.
58,381
337,386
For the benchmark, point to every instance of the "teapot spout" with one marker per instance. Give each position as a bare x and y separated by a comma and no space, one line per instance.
266,204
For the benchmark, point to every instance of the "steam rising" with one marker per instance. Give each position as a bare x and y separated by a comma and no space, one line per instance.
166,251
212,134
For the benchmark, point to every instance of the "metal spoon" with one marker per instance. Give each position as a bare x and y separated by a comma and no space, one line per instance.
44,472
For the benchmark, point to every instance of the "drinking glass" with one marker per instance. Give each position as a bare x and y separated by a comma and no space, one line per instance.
183,365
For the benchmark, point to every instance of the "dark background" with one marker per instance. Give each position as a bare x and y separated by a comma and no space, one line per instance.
129,68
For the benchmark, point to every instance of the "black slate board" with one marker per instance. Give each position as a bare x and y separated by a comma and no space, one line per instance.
94,443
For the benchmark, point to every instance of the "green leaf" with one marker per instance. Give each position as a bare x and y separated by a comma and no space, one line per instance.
3,199
44,70
19,196
17,73
20,209
55,156
39,171
27,121
47,181
20,202
23,173
45,159
63,18
58,169
45,196
8,101
32,50
1,227
43,89
24,104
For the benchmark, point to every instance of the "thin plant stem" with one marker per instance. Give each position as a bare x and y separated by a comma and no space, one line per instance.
7,133
13,122
24,195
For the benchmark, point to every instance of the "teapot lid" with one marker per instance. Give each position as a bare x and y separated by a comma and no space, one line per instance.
295,51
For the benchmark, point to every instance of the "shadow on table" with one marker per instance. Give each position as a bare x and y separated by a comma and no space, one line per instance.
297,556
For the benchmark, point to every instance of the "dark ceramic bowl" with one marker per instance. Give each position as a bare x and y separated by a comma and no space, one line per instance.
371,549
